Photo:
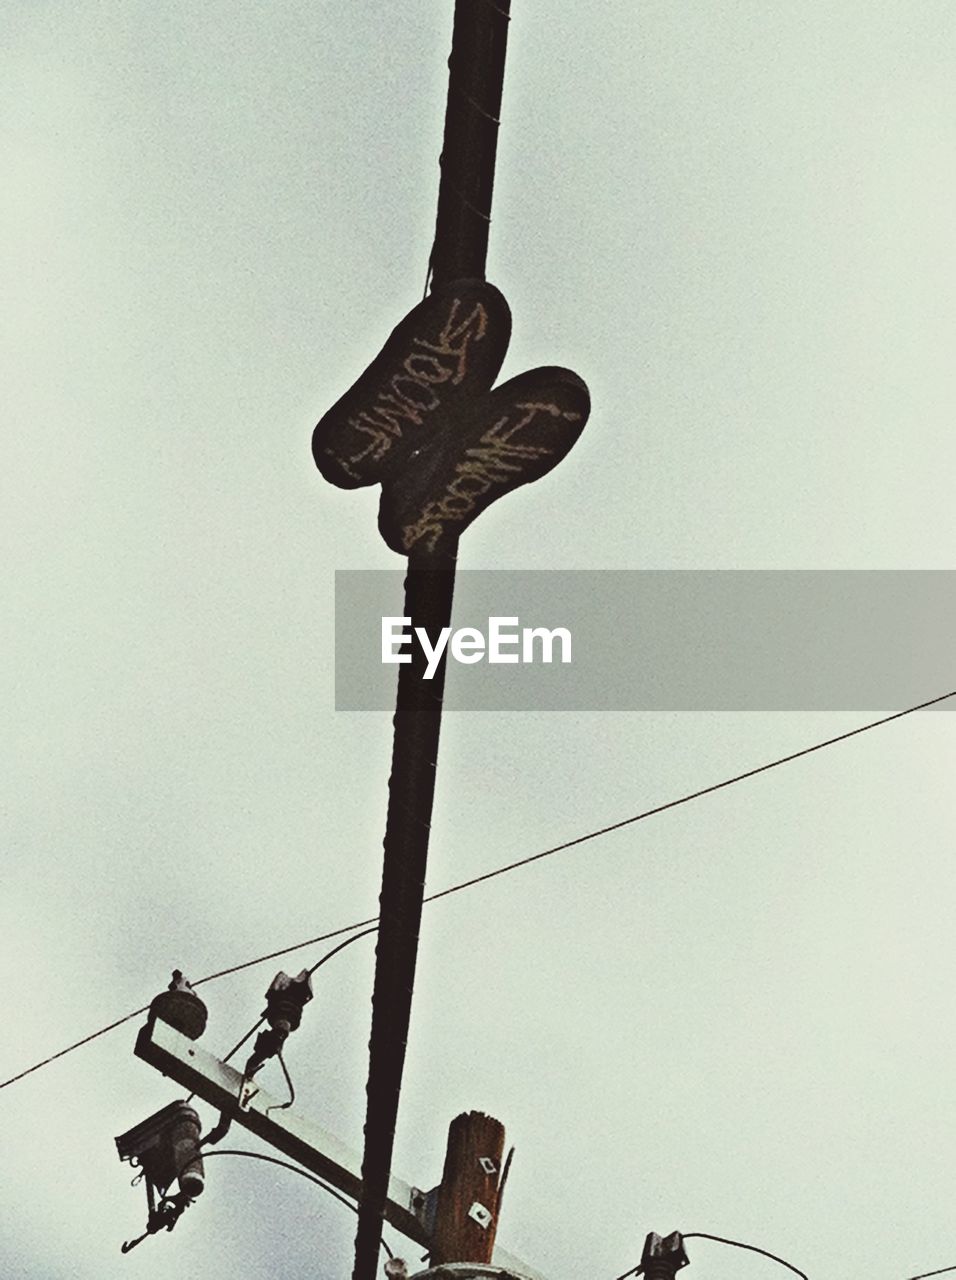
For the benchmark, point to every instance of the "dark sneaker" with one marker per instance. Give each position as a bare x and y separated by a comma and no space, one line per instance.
483,449
445,353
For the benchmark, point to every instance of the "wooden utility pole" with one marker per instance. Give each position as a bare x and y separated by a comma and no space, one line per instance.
466,1216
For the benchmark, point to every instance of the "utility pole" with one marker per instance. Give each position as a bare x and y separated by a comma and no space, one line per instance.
466,1216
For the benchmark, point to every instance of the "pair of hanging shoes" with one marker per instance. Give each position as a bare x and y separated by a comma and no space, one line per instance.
424,422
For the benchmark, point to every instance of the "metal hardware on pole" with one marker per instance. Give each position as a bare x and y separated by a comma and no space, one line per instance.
246,1102
663,1256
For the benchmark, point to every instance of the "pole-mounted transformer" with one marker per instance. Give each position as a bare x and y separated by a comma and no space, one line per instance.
165,1147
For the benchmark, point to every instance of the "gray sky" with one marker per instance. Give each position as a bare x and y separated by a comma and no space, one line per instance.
735,221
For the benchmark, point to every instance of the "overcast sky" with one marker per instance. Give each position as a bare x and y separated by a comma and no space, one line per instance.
735,221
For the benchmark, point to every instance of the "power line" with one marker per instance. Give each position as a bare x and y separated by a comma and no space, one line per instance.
685,799
366,933
239,1043
248,964
704,1235
298,946
498,871
739,1244
601,831
285,1164
78,1044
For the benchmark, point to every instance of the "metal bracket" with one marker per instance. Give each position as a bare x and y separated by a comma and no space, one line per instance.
424,1205
247,1092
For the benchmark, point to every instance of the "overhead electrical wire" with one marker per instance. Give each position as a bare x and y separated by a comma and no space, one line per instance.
286,1164
127,1017
491,875
752,1248
739,1244
591,835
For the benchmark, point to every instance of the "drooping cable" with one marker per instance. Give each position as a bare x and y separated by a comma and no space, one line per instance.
366,933
299,946
304,1173
739,1244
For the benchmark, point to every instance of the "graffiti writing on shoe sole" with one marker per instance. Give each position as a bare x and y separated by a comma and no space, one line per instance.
499,460
414,392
